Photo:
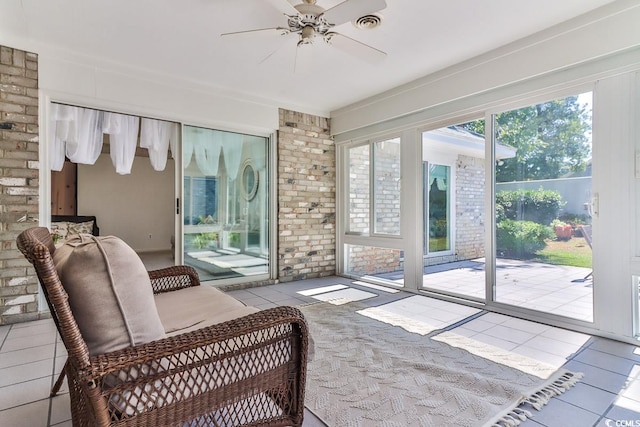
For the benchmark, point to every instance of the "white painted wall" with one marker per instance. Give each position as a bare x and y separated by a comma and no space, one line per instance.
92,83
133,206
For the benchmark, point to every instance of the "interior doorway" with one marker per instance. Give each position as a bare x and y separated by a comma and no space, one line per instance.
114,170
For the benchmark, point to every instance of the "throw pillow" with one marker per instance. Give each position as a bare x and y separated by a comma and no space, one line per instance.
61,229
109,292
80,228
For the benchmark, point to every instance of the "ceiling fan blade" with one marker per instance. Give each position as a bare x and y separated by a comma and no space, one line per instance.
285,6
351,9
278,49
354,47
258,31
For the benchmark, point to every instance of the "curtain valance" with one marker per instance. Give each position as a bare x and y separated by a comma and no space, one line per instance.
207,144
77,133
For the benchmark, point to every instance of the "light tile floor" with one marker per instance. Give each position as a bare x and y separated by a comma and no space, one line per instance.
31,356
563,290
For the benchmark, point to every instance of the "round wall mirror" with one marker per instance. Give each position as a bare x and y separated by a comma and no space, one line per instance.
249,180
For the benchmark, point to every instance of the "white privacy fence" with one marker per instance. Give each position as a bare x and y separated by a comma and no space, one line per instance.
576,192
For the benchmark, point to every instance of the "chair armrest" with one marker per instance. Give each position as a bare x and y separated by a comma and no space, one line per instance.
229,368
173,278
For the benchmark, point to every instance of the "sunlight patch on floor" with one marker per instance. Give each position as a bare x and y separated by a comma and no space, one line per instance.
322,290
344,296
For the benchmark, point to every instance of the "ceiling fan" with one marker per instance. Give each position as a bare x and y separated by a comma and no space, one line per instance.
312,22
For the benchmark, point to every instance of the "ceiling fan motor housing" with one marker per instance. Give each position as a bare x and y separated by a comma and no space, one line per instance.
309,22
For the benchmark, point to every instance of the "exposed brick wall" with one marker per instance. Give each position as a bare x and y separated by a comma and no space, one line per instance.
359,191
18,181
368,260
469,200
306,197
387,187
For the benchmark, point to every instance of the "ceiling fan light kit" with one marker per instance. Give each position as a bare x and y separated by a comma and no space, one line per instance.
311,22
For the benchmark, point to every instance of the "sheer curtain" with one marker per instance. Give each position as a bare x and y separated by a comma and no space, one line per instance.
156,136
206,144
84,140
62,117
232,149
206,147
76,133
123,139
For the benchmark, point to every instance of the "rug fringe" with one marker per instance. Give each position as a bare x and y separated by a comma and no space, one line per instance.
538,399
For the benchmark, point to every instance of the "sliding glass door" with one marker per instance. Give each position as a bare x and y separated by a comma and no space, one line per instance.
543,208
453,203
225,206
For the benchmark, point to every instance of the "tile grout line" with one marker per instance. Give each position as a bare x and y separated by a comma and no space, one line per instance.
5,337
53,377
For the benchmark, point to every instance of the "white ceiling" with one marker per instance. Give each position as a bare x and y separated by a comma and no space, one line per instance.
182,38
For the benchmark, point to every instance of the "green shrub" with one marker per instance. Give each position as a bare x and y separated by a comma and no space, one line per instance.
438,227
234,239
521,238
541,206
500,215
203,240
575,219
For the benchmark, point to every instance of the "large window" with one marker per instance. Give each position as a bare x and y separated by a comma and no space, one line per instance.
373,210
523,200
374,188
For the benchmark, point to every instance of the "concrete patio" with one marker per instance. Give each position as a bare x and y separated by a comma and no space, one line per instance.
562,290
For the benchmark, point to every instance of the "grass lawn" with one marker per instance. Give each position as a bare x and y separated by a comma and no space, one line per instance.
575,252
438,244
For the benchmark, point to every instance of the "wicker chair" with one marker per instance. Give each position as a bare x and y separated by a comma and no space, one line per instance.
245,372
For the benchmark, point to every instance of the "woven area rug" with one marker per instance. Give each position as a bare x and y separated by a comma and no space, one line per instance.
366,372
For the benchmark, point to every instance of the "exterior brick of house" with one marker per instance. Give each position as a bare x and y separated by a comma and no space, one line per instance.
306,197
469,200
18,181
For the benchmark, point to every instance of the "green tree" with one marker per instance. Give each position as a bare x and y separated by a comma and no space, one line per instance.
551,140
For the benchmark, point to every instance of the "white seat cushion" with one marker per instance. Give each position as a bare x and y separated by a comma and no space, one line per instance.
197,307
